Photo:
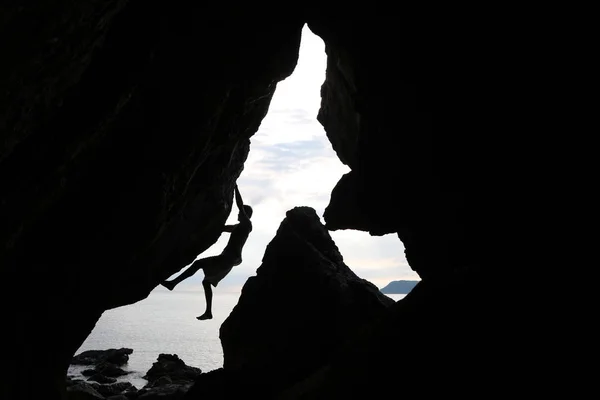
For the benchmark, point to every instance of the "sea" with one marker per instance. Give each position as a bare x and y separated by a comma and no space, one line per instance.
164,322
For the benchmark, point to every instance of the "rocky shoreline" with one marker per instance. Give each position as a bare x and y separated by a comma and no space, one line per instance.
168,378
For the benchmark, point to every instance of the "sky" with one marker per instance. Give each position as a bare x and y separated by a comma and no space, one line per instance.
292,163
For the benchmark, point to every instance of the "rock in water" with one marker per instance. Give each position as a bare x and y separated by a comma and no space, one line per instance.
171,366
117,357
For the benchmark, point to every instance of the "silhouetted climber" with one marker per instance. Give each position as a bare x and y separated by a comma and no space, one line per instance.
217,267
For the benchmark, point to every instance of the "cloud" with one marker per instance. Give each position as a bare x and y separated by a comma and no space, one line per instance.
286,157
287,126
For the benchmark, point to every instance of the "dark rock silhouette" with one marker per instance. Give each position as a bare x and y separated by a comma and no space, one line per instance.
231,384
118,397
301,303
374,356
83,391
161,381
105,369
80,390
399,287
169,378
72,380
164,392
117,357
95,391
116,389
298,309
171,366
101,378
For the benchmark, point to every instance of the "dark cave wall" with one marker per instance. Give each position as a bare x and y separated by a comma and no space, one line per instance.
46,47
125,125
118,170
377,110
151,125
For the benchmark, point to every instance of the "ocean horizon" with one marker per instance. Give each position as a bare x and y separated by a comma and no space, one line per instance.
164,322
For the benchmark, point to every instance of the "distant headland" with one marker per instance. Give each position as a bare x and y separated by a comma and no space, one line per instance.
399,287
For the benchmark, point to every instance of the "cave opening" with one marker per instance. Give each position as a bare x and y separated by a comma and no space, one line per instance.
291,163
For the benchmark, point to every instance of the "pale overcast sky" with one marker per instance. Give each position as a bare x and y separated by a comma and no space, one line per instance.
292,163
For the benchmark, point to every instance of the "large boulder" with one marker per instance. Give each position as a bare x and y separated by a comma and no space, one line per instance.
171,366
419,349
300,307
